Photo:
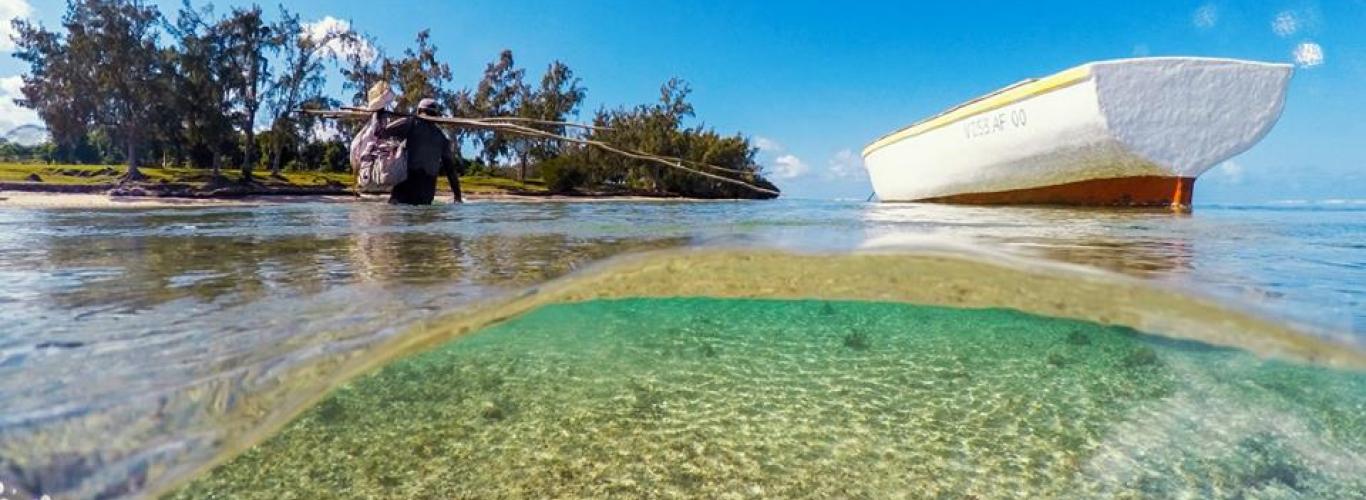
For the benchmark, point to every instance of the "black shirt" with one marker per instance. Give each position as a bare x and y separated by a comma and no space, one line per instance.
429,154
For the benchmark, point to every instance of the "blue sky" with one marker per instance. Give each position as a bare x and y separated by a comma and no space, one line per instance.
813,82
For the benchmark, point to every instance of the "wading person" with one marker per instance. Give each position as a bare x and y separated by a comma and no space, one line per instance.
429,155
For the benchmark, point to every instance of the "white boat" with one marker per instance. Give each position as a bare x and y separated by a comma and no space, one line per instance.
1131,132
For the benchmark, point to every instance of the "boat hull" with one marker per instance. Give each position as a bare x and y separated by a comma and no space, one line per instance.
1142,191
1133,132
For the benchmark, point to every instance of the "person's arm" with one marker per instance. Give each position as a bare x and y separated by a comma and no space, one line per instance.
393,127
452,170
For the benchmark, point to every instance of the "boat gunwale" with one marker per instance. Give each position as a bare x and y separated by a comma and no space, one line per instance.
992,101
1021,91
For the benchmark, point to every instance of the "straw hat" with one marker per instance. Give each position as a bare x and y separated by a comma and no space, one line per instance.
379,97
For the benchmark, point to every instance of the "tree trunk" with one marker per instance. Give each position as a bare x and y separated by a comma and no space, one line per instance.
521,168
275,160
133,173
277,147
250,160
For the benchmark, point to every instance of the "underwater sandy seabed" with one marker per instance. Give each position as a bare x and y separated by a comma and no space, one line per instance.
610,387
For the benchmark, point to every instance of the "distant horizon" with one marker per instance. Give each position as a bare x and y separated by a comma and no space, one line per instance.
811,84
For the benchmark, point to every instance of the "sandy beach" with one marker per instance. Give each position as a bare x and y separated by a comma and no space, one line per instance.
22,199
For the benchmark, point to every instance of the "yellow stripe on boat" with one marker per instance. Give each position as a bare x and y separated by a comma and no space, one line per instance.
999,99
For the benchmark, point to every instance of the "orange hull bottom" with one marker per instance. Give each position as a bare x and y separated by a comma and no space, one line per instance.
1142,191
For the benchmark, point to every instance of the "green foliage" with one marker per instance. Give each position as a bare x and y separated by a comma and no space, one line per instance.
249,40
299,84
68,174
556,99
659,129
499,94
564,174
201,81
107,73
118,82
419,74
14,152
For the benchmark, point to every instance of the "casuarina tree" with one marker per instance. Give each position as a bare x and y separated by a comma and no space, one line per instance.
498,95
102,73
419,74
300,80
250,42
555,100
202,81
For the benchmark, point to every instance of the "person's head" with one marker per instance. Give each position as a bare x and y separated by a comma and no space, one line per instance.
427,107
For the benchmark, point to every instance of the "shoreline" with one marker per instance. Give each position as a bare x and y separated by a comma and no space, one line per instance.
96,198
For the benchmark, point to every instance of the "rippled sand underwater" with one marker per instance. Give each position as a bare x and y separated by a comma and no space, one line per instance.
720,397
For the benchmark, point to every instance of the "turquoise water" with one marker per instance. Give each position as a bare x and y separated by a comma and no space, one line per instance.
138,345
709,398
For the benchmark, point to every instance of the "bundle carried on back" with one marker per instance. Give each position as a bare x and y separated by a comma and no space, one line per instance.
379,162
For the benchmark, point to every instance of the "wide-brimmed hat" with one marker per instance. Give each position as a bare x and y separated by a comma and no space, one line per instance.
379,97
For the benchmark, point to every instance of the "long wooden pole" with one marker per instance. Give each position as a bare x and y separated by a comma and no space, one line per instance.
507,125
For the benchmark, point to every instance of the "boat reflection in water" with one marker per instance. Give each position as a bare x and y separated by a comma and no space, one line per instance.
1139,243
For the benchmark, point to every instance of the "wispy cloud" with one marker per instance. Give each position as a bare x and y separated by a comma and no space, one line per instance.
9,11
767,145
1206,17
789,167
1229,172
337,47
847,165
1285,24
1308,54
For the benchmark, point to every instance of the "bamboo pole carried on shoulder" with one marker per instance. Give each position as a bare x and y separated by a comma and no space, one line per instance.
510,125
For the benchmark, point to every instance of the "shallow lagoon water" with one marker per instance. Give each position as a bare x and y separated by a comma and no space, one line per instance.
716,398
251,312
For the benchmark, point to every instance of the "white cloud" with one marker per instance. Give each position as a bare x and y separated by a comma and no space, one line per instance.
331,27
1229,172
1206,16
13,115
1285,24
1308,54
9,11
847,165
12,85
767,145
789,167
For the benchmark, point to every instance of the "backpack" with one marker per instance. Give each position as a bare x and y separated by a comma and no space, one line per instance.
379,163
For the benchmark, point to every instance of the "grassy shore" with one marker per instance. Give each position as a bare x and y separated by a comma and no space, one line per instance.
57,176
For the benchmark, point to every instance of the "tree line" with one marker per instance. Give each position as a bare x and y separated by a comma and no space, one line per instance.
121,82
